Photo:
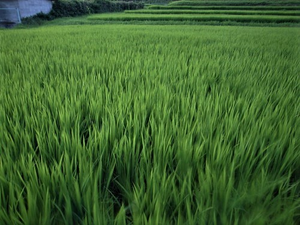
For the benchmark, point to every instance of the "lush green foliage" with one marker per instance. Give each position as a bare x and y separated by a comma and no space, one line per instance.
77,8
150,125
204,12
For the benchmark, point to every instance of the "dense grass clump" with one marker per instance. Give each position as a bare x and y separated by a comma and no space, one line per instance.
149,125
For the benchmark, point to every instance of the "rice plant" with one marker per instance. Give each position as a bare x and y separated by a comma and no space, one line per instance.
128,124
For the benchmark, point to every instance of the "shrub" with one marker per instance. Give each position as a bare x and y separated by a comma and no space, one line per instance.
78,8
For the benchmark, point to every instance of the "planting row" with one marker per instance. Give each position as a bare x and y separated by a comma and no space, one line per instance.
236,3
228,12
197,18
276,8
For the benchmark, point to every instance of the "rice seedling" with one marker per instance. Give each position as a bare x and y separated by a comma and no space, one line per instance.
128,124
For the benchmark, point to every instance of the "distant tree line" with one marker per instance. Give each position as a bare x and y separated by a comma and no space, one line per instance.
64,8
72,8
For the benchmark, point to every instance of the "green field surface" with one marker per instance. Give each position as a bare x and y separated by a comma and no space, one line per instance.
129,124
228,12
276,8
237,3
189,17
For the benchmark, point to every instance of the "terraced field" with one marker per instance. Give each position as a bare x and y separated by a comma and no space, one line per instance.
236,3
198,18
226,7
225,12
243,12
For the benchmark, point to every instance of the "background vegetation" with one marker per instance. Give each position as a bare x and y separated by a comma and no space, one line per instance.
73,8
256,12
